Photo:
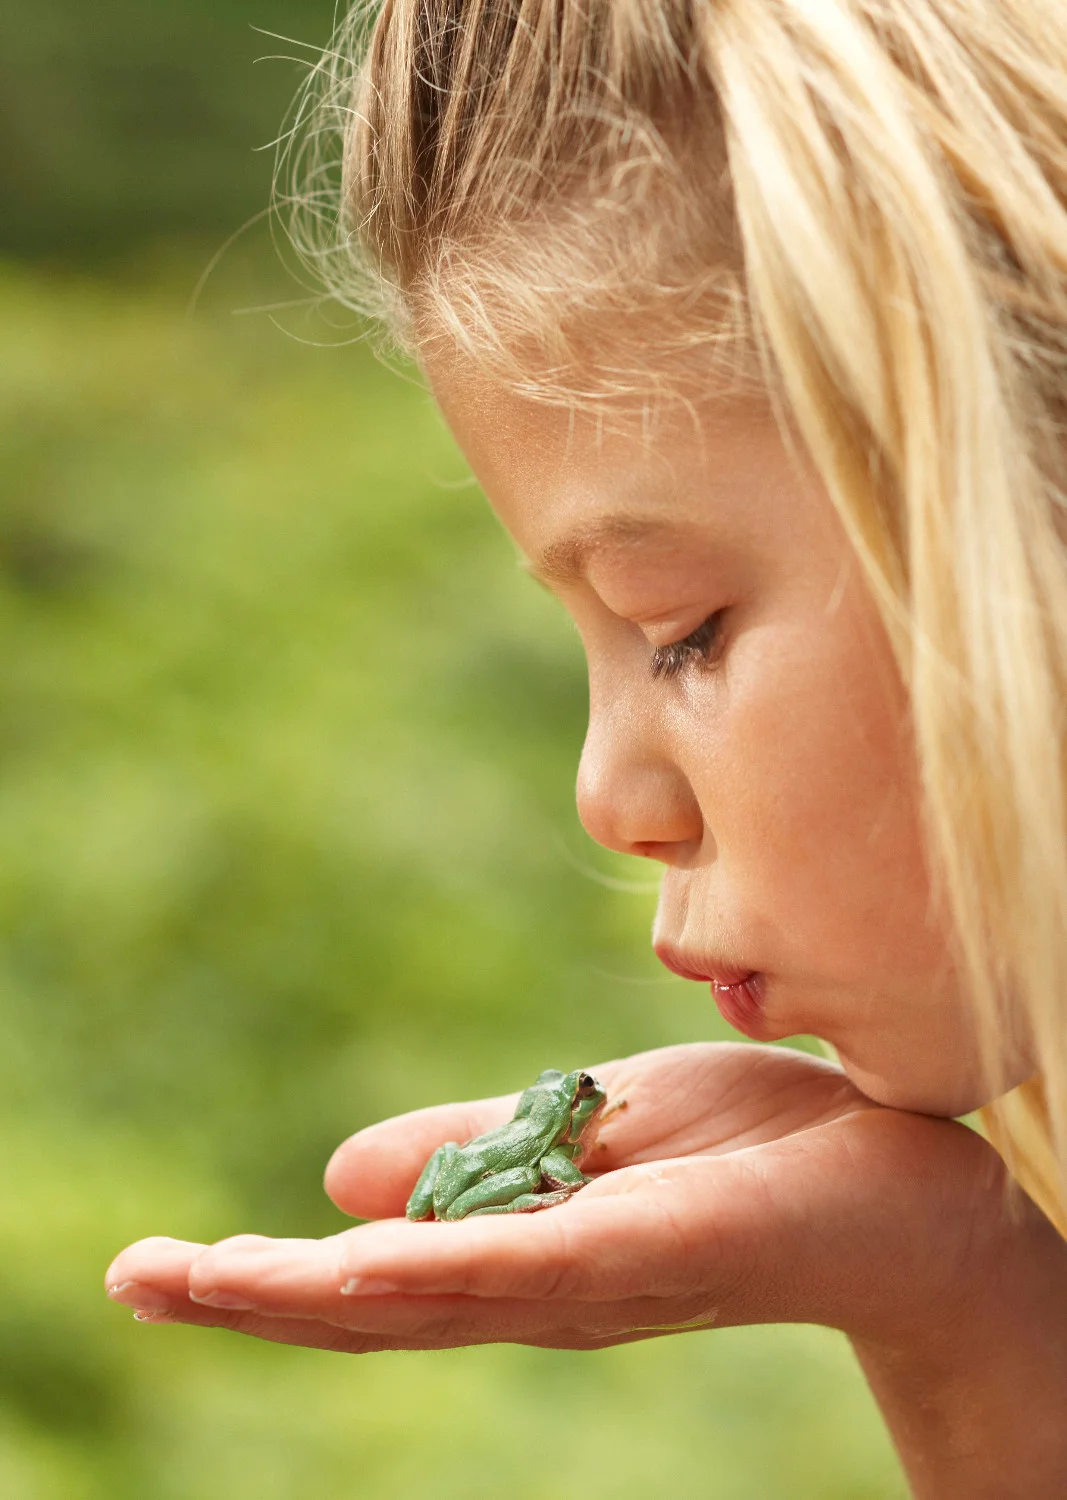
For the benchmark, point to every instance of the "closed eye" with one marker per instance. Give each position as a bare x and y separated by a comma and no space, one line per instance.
699,647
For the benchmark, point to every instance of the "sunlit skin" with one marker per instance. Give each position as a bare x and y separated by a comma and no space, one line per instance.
775,780
772,777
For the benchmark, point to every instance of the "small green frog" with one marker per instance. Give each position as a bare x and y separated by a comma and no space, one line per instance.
527,1164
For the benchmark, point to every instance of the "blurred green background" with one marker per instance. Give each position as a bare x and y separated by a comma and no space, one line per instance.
287,840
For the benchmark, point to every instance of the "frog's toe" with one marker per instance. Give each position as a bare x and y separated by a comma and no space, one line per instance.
533,1202
420,1204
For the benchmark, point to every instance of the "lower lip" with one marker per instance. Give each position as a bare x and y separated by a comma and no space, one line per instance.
742,1005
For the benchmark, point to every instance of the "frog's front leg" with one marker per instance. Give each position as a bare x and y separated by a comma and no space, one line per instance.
420,1204
494,1191
559,1171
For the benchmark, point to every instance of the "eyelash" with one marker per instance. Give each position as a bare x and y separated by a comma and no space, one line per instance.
700,646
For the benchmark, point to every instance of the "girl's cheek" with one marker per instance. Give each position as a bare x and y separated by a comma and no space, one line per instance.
810,790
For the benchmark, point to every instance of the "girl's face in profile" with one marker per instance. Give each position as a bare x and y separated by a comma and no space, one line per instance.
748,727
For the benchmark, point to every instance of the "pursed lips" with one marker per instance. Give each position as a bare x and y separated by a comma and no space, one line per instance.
738,992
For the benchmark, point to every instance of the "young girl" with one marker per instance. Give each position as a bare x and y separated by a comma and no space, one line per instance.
751,319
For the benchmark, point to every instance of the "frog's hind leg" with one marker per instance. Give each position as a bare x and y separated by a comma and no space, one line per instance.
525,1203
495,1190
558,1171
420,1204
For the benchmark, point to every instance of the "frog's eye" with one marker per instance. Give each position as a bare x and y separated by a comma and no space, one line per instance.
586,1081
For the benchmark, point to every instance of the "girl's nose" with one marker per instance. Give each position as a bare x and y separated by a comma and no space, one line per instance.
632,796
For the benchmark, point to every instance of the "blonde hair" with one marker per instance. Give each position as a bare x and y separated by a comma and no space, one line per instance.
858,207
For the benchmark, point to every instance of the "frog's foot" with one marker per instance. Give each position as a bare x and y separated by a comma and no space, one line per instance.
420,1204
559,1171
526,1203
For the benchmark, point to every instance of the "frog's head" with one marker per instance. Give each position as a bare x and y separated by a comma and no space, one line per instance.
587,1101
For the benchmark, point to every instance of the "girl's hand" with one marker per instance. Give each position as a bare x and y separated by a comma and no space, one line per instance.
740,1184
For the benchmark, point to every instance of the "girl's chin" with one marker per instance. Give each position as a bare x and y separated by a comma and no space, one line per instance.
947,1097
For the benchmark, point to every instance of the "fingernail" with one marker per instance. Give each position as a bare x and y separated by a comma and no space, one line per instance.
229,1301
144,1298
144,1315
368,1286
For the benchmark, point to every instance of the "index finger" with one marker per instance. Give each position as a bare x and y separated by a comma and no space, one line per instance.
371,1175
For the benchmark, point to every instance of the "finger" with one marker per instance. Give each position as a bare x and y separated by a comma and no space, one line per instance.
286,1278
363,1324
152,1278
371,1175
305,1333
621,1236
152,1274
297,1297
453,1323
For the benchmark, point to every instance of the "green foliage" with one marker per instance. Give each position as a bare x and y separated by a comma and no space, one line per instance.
126,120
287,844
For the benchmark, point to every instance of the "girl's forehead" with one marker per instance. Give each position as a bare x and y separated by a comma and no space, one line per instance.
655,420
565,482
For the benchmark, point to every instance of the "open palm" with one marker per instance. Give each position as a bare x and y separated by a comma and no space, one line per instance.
738,1184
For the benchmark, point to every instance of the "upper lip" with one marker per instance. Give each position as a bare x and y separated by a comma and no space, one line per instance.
697,966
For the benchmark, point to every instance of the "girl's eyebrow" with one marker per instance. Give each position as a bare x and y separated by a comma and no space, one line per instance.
565,560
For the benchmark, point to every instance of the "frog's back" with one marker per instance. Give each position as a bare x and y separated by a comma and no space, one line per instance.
547,1083
524,1138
